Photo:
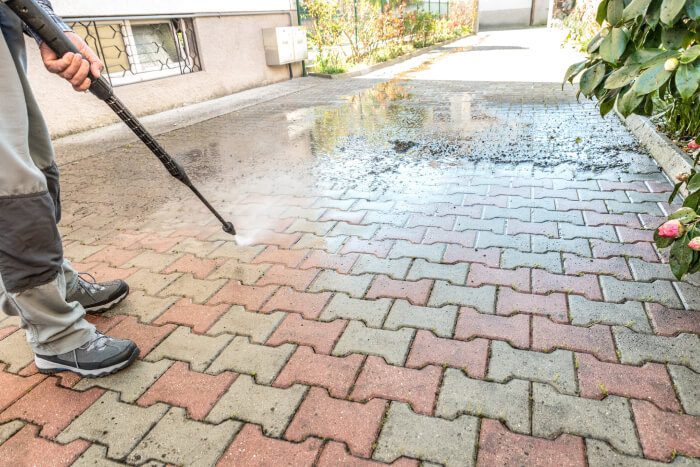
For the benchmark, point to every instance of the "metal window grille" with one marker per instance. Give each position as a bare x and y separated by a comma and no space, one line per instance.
134,51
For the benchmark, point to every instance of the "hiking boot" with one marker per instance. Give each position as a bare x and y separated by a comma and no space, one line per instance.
97,297
101,356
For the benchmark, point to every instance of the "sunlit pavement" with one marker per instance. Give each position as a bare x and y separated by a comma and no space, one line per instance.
447,261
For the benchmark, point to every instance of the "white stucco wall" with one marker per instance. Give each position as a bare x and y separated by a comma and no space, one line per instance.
512,13
96,8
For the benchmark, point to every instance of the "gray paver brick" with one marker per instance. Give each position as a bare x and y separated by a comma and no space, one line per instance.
7,430
270,407
490,239
262,361
196,247
609,419
615,290
93,456
589,195
318,228
638,348
509,402
555,368
373,217
118,425
482,298
450,443
454,273
617,207
571,217
357,230
646,271
316,242
240,253
584,312
439,320
150,282
371,312
494,212
638,197
155,262
542,203
15,351
603,232
332,281
247,274
365,205
550,261
690,295
238,321
142,306
543,244
404,249
179,441
197,289
183,344
392,345
493,225
600,454
129,384
395,268
687,384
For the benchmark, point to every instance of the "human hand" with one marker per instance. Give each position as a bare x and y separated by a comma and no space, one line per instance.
73,67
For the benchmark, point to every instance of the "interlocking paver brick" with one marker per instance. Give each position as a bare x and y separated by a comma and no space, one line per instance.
516,226
129,384
518,279
416,292
439,320
396,268
596,339
251,297
543,203
657,291
199,317
544,282
444,222
145,336
544,215
555,368
668,322
247,274
334,454
600,454
646,271
438,235
303,225
490,239
416,387
154,262
665,434
609,419
150,282
497,226
95,455
275,255
357,230
183,344
585,312
498,446
551,261
482,298
508,402
351,217
373,205
454,273
196,247
331,281
596,219
687,384
603,249
689,294
495,212
15,352
618,207
469,356
311,214
387,232
337,374
240,322
392,345
324,260
198,267
629,235
77,251
651,381
603,232
26,446
393,218
354,423
197,289
447,442
315,242
118,425
272,408
636,348
514,329
455,254
553,305
14,386
177,440
297,330
578,246
144,307
370,312
616,266
597,206
111,255
378,248
261,361
281,275
607,185
309,305
404,249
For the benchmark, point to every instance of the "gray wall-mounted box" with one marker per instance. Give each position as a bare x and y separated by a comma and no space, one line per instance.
285,45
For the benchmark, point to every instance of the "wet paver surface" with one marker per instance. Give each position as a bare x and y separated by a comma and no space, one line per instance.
447,262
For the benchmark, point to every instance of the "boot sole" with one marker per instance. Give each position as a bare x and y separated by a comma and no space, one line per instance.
97,309
49,368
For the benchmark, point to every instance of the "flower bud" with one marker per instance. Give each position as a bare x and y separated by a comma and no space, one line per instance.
671,64
694,244
672,229
693,145
683,177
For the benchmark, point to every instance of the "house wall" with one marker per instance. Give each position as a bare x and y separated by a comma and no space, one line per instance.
494,14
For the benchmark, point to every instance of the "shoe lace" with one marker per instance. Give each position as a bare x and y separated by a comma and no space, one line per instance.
90,287
97,343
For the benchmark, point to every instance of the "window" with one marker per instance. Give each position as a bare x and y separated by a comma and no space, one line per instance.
136,51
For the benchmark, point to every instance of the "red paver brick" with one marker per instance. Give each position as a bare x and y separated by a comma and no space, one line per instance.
514,329
421,220
282,275
319,335
596,339
649,382
112,255
336,374
309,305
251,297
552,305
334,454
522,191
273,254
437,235
25,448
156,243
659,187
147,337
430,350
595,205
282,240
351,217
324,260
354,423
251,448
668,322
518,278
14,386
603,249
651,222
416,387
516,226
51,406
488,256
416,292
586,284
665,434
378,248
198,267
105,323
616,266
4,332
609,185
498,446
629,235
196,392
103,272
387,232
198,317
596,219
124,239
469,210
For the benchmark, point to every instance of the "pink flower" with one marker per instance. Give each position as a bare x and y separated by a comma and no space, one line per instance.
693,145
671,229
694,244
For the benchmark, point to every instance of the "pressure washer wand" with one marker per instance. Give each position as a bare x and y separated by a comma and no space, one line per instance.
39,21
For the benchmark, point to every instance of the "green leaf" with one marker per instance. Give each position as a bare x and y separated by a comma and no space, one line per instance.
682,213
635,9
628,102
651,80
602,12
613,46
688,81
573,71
693,9
680,257
591,79
670,9
676,38
662,242
594,44
692,200
607,104
653,15
689,55
645,56
623,76
674,193
694,183
615,9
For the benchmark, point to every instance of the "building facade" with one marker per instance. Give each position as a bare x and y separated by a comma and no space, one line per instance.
494,14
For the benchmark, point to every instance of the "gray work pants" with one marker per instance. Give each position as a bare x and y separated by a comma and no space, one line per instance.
34,277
